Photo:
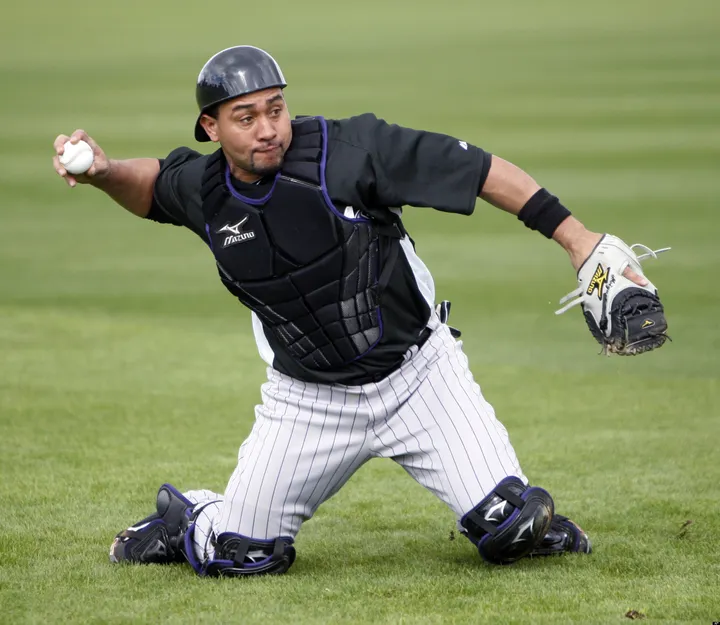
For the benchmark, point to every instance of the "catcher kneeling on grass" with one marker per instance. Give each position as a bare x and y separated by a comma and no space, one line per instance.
303,218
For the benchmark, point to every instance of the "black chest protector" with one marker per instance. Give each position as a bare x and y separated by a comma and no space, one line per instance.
314,276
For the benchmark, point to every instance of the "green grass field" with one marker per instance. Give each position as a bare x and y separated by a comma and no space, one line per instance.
124,363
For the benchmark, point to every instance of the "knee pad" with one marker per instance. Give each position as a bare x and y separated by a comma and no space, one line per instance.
237,555
510,522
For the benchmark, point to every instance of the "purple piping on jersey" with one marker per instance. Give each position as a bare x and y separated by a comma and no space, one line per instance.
207,229
380,325
243,198
323,184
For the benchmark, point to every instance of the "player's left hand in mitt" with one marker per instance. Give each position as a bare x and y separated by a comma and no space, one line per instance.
624,317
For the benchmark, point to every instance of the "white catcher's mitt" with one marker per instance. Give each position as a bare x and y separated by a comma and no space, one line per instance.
624,318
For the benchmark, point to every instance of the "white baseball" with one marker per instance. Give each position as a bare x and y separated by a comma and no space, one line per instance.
77,157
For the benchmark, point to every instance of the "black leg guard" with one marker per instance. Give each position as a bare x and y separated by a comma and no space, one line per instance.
157,539
510,522
238,556
564,536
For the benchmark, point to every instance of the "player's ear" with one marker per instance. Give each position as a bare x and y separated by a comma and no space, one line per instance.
209,124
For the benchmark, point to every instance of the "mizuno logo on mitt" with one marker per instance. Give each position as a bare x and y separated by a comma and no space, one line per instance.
598,281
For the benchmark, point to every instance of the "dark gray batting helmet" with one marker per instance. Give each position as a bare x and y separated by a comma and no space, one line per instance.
232,73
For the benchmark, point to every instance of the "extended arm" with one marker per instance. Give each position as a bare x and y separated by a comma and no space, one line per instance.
511,189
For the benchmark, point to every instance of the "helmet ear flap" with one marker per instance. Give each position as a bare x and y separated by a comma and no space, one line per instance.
232,73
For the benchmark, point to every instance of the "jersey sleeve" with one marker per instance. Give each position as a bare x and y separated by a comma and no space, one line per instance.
176,196
420,168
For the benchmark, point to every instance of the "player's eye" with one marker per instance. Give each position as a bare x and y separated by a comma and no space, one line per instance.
275,112
245,120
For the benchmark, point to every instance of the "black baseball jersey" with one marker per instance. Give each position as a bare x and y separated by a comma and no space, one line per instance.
372,167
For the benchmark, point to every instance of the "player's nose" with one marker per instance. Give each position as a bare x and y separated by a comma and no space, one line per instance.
265,129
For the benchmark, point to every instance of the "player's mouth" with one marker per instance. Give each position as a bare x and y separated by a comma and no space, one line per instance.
269,149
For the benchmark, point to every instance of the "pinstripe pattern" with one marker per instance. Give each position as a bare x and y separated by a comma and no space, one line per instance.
447,423
308,439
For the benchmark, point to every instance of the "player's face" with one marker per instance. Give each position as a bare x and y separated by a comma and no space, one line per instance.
254,131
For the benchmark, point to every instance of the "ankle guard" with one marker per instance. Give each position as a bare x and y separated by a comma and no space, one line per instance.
510,522
237,555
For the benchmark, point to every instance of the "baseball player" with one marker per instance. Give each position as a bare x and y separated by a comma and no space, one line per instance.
303,218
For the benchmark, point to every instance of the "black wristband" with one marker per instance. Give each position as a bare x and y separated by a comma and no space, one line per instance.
544,213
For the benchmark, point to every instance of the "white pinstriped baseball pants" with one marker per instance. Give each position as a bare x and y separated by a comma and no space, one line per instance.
308,439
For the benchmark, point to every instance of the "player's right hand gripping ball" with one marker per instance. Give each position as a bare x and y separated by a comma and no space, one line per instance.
625,318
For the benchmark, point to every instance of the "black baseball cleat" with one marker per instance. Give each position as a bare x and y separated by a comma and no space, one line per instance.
565,536
158,538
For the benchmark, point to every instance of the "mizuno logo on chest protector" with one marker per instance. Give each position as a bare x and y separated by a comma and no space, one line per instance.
235,236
